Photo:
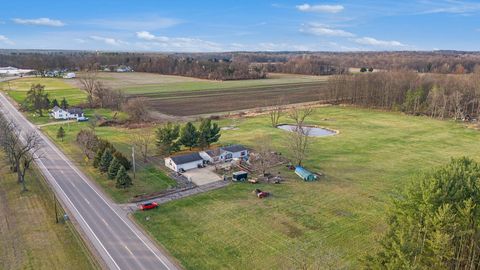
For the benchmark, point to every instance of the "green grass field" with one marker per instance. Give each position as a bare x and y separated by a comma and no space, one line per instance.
56,88
29,236
371,159
148,179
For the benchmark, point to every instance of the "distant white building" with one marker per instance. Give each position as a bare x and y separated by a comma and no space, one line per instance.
72,113
70,75
13,71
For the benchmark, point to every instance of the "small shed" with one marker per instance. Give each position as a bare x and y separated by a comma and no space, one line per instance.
305,174
240,176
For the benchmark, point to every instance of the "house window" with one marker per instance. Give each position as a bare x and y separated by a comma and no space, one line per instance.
242,153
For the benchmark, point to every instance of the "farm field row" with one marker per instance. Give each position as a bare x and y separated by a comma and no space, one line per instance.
182,96
146,83
29,236
217,101
335,220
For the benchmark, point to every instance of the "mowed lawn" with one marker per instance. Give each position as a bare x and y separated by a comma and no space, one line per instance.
56,88
29,236
149,178
336,219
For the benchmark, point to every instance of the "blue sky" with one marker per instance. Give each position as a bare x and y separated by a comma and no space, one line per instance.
148,25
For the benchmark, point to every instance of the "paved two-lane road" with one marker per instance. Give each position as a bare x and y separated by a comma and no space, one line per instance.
116,238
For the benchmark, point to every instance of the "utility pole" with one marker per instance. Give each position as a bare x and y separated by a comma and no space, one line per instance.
55,203
133,161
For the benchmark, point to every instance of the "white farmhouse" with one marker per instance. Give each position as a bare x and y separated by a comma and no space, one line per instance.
225,153
184,162
72,113
234,151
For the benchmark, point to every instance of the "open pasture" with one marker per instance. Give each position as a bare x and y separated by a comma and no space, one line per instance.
334,221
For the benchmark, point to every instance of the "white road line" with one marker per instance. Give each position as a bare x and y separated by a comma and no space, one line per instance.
61,155
129,250
78,212
40,162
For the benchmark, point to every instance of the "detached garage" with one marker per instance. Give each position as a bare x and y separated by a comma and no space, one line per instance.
184,162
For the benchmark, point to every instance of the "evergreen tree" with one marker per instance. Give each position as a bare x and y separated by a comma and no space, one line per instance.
208,133
61,133
54,103
97,158
37,100
113,169
166,138
64,104
122,159
123,179
106,160
189,136
434,224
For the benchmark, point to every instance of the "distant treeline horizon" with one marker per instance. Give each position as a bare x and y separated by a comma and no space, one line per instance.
246,65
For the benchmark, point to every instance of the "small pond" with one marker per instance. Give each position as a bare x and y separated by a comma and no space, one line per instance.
312,131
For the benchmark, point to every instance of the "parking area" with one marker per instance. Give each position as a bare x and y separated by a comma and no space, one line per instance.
202,176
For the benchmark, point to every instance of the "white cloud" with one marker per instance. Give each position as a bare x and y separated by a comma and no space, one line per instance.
39,21
5,40
451,6
109,40
320,8
177,43
379,43
322,30
150,23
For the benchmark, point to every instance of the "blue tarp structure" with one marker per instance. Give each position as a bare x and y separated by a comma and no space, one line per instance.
305,174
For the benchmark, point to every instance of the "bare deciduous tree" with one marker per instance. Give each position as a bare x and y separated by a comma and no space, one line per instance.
21,150
137,109
298,143
143,141
298,138
90,84
299,115
263,158
276,112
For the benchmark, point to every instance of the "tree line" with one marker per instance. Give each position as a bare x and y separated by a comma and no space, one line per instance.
194,65
246,65
438,96
106,158
434,222
170,137
20,153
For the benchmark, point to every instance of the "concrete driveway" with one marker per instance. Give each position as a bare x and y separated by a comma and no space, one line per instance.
202,176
